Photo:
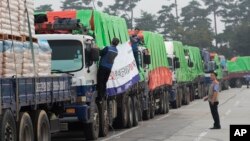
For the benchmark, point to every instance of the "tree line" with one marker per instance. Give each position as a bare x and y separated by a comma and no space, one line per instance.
193,26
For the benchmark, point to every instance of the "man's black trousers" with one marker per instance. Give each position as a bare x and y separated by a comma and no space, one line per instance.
102,79
215,114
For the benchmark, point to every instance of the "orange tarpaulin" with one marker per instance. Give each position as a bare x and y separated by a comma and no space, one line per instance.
233,59
140,34
160,76
62,14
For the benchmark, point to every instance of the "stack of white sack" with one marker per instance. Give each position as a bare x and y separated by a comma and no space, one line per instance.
23,19
44,59
1,58
12,58
9,17
28,66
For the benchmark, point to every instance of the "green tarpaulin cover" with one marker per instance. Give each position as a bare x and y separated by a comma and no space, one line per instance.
183,74
219,69
241,64
195,57
105,26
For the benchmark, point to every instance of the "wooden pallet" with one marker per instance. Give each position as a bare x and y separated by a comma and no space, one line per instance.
10,37
27,39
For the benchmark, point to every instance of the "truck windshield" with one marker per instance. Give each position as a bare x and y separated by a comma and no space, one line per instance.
66,55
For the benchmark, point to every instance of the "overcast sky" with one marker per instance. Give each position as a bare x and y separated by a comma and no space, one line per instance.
151,6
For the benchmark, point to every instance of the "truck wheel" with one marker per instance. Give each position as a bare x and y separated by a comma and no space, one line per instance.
226,85
186,99
140,113
130,112
104,118
25,129
238,83
41,126
136,111
8,127
91,130
188,95
179,93
192,93
124,113
152,107
146,113
161,104
232,83
199,95
166,103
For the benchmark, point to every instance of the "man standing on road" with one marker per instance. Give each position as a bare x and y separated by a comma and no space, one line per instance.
213,100
108,55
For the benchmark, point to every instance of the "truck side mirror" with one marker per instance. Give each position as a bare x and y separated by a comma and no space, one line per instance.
146,59
191,64
177,65
176,59
94,54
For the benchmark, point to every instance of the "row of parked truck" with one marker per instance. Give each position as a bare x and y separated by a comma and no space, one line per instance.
169,75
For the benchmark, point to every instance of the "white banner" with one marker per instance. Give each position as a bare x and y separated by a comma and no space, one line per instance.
124,72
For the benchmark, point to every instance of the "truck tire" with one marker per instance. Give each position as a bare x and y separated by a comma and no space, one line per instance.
8,127
41,126
238,83
104,118
25,128
130,112
179,93
91,130
192,93
186,99
140,109
152,107
123,114
161,104
226,85
136,111
146,113
232,83
166,103
199,95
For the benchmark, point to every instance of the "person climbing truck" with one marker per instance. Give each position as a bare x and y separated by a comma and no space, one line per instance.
135,42
108,55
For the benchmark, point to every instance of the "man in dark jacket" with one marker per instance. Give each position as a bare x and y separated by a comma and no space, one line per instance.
135,42
108,55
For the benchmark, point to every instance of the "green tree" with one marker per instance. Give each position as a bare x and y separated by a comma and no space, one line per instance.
147,21
44,8
123,8
167,23
79,4
196,25
236,16
72,4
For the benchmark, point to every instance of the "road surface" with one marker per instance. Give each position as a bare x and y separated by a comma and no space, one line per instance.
188,123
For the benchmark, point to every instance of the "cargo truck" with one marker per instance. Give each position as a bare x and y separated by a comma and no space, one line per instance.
30,106
238,69
182,82
121,105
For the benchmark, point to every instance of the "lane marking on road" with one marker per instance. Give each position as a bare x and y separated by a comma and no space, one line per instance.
163,117
228,112
201,136
118,135
236,103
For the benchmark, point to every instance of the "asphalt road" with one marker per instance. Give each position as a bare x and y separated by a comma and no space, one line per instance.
188,123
